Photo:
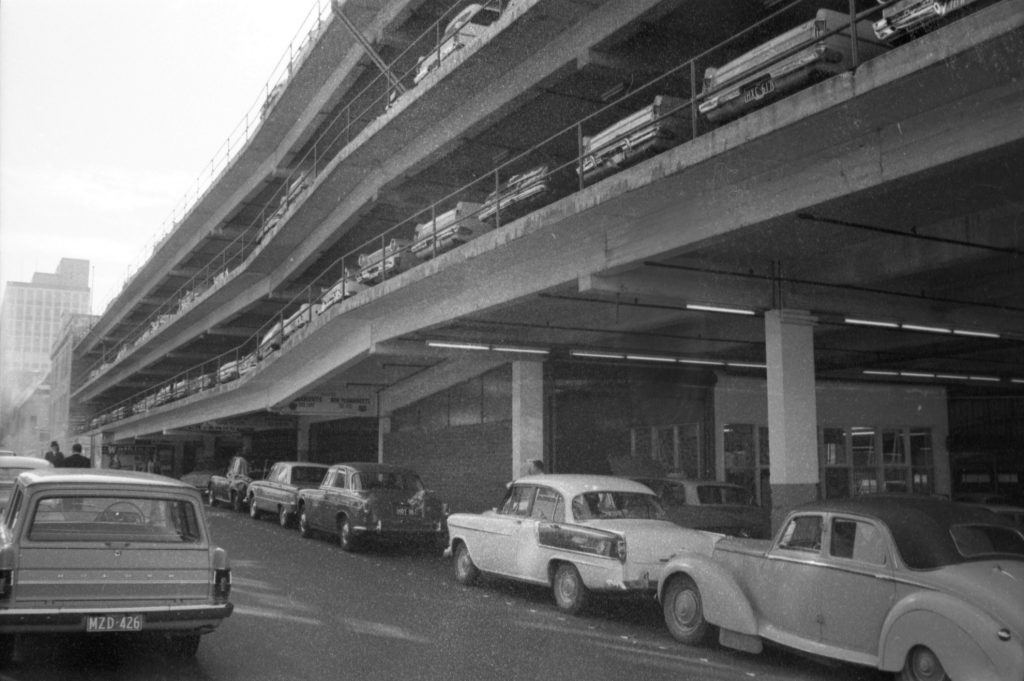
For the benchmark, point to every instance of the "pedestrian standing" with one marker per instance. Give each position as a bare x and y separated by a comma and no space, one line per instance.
77,459
55,456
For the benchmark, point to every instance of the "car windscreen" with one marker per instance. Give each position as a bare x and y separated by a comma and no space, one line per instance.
71,518
605,505
986,540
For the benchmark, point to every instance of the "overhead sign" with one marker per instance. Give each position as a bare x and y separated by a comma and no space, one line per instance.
330,404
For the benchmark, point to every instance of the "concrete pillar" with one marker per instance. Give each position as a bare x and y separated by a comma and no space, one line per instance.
792,410
303,424
383,428
527,414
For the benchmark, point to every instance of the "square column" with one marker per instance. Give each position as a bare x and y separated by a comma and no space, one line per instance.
792,410
527,415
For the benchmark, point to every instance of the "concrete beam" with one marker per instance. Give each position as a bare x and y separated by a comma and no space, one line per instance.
435,379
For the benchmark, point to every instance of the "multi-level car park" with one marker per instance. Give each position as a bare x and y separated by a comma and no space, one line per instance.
565,179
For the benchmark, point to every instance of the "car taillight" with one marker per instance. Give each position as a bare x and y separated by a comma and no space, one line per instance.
221,585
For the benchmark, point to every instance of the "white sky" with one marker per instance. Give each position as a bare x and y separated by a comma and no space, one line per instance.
109,112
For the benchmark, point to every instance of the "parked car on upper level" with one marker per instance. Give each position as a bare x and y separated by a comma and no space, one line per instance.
908,18
359,501
377,265
517,195
712,506
278,493
233,487
448,230
574,533
11,466
466,27
648,131
922,586
760,76
109,552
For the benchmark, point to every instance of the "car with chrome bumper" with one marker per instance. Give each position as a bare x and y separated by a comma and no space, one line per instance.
920,586
111,553
278,493
808,53
360,501
577,534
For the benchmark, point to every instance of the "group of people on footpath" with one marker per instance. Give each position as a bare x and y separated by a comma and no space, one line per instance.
76,460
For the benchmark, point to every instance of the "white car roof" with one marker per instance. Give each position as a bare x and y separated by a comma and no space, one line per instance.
14,461
572,484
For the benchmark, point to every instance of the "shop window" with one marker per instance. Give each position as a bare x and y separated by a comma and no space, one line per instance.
747,459
674,447
895,460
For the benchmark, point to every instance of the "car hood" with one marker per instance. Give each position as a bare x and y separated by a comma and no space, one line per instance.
995,586
656,540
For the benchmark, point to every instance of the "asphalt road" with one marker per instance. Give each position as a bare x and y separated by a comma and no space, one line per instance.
304,609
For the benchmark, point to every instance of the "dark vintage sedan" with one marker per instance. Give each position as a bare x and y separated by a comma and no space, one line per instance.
359,501
278,493
927,588
712,506
109,553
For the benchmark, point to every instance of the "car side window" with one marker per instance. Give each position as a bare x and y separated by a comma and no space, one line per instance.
803,533
339,480
547,505
518,501
857,540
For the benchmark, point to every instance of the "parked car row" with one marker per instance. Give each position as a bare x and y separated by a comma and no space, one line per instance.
926,588
356,503
793,60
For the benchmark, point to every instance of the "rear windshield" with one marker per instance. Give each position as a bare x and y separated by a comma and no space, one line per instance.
407,482
605,505
986,540
710,495
307,474
115,518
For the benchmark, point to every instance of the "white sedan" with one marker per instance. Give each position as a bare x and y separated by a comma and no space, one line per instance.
575,533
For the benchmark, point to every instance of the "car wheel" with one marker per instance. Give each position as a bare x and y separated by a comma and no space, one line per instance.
184,646
923,665
570,592
236,502
254,512
305,531
466,572
683,609
210,499
346,537
284,517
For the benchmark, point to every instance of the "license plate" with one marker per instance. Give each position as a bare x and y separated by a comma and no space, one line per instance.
759,90
403,510
101,623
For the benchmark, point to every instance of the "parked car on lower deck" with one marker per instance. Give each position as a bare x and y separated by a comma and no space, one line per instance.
278,493
759,76
360,501
11,466
232,488
922,586
712,506
574,533
111,553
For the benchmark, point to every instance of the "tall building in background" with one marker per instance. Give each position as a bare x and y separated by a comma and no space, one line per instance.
30,320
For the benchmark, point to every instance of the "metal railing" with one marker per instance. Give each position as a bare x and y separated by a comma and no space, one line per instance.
564,155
